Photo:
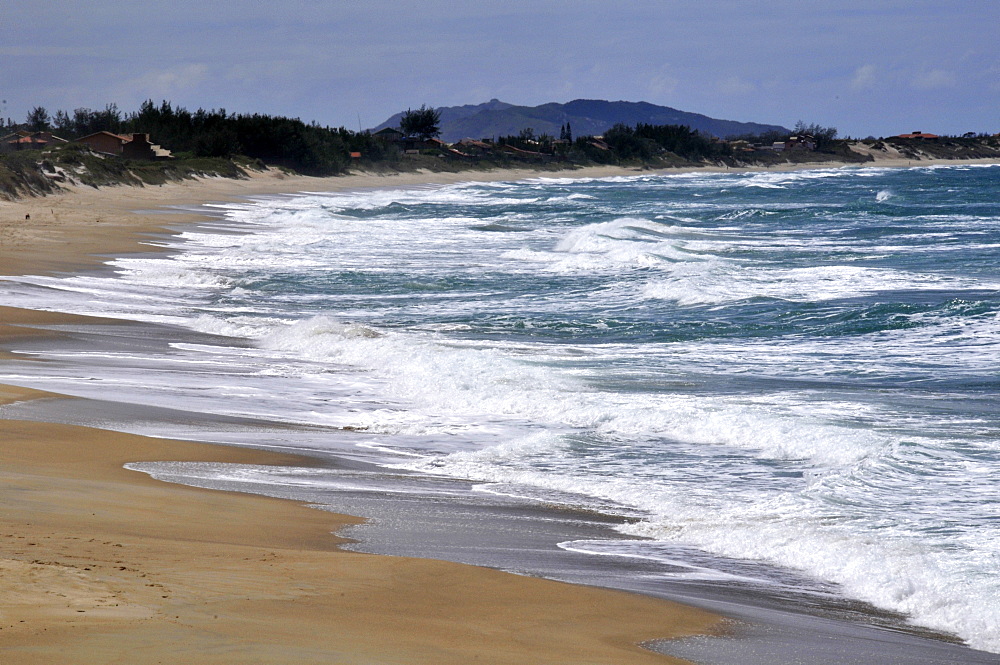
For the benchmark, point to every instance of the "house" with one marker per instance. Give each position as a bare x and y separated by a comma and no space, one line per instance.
916,135
801,142
431,143
474,146
776,146
10,141
29,141
411,144
15,142
524,154
140,147
136,146
106,142
390,135
51,138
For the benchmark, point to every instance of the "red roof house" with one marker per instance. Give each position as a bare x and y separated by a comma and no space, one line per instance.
105,142
29,141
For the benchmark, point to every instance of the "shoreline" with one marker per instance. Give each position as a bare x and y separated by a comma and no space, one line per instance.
108,563
108,222
73,239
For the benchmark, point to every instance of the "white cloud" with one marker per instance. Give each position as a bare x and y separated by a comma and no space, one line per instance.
662,83
165,83
935,78
734,86
864,78
329,61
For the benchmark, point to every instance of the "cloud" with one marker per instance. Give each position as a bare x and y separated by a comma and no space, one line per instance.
864,78
662,83
330,61
935,78
165,83
734,86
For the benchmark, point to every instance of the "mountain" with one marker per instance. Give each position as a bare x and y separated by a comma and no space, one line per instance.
585,116
454,114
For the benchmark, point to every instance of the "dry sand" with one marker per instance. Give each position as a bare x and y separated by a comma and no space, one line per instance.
103,565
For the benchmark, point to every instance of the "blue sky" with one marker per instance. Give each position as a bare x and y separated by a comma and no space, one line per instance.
863,66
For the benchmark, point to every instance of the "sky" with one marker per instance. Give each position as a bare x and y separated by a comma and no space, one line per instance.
866,67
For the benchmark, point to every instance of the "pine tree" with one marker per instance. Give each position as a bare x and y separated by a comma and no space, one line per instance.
38,119
422,122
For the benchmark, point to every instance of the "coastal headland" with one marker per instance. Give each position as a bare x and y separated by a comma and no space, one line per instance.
101,564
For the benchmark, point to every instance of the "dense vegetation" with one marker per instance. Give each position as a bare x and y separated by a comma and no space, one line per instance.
275,140
644,142
218,143
35,172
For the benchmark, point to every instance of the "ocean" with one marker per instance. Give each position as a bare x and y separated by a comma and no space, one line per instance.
787,371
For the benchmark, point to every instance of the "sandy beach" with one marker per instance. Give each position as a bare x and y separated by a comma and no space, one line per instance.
105,565
102,565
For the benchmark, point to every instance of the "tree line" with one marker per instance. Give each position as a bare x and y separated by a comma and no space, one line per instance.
276,140
318,150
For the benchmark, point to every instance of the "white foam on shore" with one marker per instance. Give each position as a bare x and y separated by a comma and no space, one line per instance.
795,476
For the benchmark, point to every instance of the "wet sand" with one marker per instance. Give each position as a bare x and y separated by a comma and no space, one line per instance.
101,564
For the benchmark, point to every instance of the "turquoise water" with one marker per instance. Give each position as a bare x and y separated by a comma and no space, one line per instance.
792,368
